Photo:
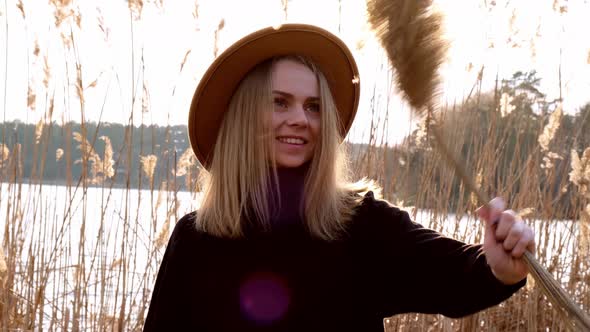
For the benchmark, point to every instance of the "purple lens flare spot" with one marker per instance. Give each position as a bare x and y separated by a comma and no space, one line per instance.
264,297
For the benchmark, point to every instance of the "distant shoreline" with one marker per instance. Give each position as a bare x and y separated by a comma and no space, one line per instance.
63,183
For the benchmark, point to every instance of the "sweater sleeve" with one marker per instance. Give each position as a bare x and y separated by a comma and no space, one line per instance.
426,272
169,307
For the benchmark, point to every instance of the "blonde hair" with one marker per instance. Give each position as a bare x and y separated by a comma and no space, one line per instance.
235,190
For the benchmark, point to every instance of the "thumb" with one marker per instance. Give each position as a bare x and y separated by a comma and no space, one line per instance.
490,214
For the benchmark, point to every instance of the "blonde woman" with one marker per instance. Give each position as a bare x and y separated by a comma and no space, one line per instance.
284,240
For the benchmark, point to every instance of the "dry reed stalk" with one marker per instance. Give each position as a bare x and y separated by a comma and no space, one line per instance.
188,52
148,165
162,237
58,154
580,174
3,270
39,131
31,98
46,72
220,27
4,154
107,160
411,34
550,129
136,8
186,161
89,155
506,106
285,5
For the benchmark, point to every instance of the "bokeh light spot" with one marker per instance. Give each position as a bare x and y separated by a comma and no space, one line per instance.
264,297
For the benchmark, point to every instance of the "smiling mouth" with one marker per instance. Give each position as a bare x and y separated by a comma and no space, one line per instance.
292,140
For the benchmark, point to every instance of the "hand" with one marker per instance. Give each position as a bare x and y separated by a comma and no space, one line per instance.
507,237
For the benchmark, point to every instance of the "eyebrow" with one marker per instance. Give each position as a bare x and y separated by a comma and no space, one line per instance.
288,95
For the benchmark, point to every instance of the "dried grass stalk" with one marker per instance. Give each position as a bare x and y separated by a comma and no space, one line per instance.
31,98
580,174
108,162
58,154
39,131
506,106
3,269
4,154
186,161
527,212
162,237
550,129
136,7
88,152
21,8
148,165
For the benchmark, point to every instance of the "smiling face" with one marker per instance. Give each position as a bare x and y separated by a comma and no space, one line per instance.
296,116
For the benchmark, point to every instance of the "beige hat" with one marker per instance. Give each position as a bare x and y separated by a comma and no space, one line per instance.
218,84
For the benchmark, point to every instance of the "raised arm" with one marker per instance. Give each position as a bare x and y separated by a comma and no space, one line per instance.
424,271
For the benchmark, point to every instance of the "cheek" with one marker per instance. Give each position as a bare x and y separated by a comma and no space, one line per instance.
315,126
275,121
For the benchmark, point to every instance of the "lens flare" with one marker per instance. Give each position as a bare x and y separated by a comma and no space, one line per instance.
264,298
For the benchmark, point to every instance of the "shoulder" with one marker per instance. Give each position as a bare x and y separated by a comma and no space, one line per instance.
374,216
184,230
371,207
187,222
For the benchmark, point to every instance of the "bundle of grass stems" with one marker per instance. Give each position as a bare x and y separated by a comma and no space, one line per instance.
410,31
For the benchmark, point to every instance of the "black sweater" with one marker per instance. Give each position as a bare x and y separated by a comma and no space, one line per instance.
288,281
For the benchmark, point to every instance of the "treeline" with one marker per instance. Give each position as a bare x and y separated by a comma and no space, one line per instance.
109,154
514,142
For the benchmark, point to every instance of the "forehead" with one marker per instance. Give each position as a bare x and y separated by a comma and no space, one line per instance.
294,78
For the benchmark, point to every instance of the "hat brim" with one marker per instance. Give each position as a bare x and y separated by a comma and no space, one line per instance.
220,81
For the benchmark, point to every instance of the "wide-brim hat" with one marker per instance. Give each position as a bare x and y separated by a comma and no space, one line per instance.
218,84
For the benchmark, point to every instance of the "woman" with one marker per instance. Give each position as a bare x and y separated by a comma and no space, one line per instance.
283,240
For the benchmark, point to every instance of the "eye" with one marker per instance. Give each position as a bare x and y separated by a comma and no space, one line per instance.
313,107
280,102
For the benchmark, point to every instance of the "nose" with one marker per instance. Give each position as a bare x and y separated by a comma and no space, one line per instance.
297,116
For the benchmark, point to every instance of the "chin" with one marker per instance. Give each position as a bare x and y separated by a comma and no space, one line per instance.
291,162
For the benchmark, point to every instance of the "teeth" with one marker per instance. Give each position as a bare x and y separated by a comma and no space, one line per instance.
291,140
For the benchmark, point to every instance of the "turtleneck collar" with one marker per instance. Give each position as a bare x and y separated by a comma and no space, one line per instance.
287,198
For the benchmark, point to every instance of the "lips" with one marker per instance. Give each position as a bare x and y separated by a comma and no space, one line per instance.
292,140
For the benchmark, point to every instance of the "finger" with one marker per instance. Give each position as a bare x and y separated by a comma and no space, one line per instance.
514,235
524,243
492,210
483,212
490,236
507,219
496,206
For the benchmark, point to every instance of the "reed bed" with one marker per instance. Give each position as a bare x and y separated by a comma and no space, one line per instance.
82,253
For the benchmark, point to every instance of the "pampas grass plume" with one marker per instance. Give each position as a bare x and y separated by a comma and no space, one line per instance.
412,36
